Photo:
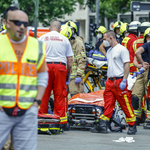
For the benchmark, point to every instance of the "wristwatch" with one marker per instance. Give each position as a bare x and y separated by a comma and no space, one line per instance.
38,101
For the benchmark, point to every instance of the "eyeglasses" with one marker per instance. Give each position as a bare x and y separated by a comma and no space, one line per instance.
19,23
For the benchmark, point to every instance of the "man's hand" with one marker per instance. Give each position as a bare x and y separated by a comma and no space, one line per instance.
145,65
1,108
77,80
123,84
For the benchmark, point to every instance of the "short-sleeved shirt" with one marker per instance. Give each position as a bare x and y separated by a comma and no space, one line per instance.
116,57
58,47
146,47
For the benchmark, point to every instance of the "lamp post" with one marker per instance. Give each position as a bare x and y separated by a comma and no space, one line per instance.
36,13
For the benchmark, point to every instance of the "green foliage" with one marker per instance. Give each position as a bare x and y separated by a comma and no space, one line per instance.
48,9
111,8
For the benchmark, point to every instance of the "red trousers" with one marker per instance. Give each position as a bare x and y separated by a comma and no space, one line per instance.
57,82
111,94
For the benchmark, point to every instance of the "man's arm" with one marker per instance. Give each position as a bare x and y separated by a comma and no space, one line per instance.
136,64
102,49
138,53
69,64
126,70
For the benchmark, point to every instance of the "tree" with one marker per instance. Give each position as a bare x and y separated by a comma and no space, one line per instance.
48,9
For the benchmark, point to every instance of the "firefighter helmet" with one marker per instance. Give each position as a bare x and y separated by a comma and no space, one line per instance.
66,31
123,29
144,26
147,32
72,25
134,25
117,25
101,29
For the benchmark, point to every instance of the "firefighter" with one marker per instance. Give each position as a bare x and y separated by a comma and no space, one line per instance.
99,34
128,41
116,29
145,48
140,86
76,84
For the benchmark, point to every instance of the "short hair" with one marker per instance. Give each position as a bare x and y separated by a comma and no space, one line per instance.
55,24
110,33
10,8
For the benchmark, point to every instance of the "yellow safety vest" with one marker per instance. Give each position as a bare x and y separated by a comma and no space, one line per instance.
18,80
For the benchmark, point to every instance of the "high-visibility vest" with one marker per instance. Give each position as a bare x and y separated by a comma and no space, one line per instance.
18,80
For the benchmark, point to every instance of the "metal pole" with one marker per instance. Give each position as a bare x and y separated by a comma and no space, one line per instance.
97,12
36,13
97,15
132,17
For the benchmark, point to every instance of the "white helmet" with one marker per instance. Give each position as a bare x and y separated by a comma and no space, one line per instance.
134,25
144,26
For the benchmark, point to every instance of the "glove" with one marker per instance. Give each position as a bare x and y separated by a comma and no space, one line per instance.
67,82
123,84
77,80
141,70
134,75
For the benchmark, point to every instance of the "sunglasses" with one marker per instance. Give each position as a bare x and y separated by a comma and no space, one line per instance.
19,23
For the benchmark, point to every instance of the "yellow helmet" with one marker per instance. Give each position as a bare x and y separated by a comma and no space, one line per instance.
101,29
147,32
123,28
117,25
72,25
66,31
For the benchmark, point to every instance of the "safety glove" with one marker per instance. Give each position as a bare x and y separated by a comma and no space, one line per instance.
77,80
123,84
141,70
68,79
135,74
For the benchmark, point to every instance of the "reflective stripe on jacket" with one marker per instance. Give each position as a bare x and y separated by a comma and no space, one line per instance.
18,80
79,58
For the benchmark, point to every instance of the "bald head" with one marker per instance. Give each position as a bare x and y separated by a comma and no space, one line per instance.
55,25
18,15
17,25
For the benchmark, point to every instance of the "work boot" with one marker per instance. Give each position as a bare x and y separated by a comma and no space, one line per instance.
132,129
146,125
100,128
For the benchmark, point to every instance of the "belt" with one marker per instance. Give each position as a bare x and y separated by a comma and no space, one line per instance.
115,78
61,63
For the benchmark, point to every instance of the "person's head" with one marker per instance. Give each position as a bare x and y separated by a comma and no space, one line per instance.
143,27
123,30
100,32
133,27
109,39
73,26
67,32
55,25
147,35
7,13
116,28
17,25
